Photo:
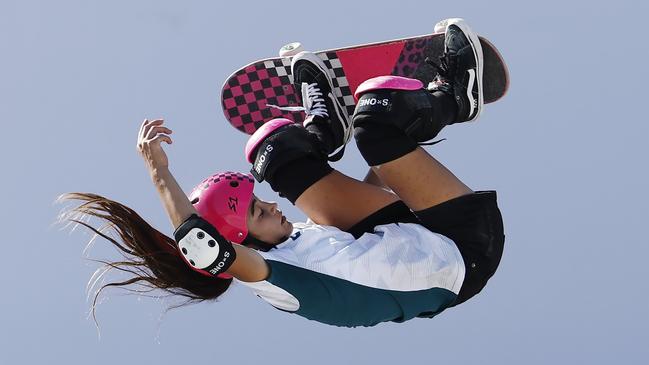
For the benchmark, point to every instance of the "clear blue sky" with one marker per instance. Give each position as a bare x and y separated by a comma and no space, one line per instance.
566,149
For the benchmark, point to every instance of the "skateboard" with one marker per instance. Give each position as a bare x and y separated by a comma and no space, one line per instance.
249,94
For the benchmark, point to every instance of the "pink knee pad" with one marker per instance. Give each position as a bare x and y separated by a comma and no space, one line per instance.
388,82
261,134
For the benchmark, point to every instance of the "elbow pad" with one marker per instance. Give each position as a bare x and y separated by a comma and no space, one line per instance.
203,247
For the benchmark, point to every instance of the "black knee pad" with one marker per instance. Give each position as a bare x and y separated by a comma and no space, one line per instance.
381,143
286,144
410,111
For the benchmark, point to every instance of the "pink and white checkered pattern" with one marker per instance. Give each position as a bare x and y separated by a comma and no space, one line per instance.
248,92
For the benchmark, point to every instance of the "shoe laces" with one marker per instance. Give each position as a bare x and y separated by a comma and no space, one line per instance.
313,102
441,81
443,67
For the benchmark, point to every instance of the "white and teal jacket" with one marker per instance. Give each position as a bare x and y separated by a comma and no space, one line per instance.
400,271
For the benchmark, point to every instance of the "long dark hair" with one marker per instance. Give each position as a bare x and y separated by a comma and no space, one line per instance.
149,256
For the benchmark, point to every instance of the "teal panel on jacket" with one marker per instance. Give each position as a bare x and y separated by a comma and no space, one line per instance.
339,302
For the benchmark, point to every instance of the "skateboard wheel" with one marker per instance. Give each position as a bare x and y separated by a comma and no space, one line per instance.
290,49
440,27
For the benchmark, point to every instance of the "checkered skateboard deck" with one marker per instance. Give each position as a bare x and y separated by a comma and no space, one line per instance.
248,92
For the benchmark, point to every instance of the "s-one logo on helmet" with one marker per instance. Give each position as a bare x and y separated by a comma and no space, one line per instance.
262,159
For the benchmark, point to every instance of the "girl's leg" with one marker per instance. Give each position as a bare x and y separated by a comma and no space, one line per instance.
420,180
398,113
414,175
301,172
341,201
290,159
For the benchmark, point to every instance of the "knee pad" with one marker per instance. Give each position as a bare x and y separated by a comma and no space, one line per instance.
278,143
399,102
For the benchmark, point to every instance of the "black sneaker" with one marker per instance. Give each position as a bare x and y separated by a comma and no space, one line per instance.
459,72
320,104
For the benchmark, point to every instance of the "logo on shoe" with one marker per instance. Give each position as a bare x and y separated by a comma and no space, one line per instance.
261,160
473,103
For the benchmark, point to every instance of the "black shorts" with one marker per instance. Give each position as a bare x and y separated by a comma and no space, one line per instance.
472,221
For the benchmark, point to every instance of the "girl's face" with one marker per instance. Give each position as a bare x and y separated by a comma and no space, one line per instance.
266,222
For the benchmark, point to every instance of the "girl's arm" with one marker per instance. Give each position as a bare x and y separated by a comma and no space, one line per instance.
249,265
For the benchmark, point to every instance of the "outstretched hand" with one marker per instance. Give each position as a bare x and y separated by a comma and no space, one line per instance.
151,135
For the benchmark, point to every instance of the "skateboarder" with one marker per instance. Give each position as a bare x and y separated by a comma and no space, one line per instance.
410,241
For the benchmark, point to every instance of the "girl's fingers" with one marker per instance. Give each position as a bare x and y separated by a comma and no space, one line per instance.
140,133
157,130
152,131
162,138
147,125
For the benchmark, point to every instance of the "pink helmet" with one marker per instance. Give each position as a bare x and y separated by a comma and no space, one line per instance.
223,199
